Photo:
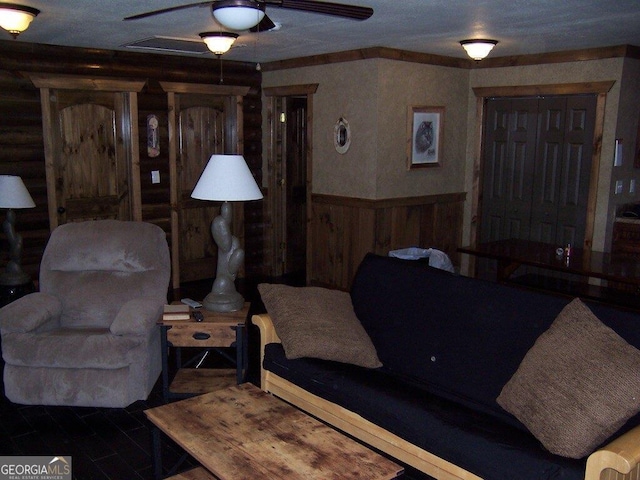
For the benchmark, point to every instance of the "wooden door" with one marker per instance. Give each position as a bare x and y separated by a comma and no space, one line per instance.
92,162
203,120
537,170
563,167
201,133
295,188
511,128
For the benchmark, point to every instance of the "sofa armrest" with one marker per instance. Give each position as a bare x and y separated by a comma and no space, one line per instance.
138,316
267,335
621,455
30,312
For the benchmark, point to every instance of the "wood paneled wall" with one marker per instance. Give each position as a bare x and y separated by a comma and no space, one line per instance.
22,146
344,230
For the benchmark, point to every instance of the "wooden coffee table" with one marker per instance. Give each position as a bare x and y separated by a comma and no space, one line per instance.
242,432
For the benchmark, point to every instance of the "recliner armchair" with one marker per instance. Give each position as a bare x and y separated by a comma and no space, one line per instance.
89,337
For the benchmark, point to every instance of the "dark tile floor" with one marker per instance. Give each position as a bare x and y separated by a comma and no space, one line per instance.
104,443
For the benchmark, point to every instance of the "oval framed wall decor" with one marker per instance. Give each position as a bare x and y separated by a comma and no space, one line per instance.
342,135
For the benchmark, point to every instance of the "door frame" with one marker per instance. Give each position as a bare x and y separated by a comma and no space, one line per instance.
128,89
275,200
235,133
482,93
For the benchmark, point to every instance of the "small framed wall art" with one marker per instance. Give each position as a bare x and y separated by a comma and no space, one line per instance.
425,127
342,136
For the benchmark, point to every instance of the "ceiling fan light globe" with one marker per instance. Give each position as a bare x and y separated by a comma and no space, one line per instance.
238,14
219,42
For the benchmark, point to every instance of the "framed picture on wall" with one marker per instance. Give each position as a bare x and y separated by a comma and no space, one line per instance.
425,127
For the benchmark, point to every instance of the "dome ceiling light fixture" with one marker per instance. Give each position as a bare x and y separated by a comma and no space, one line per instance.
219,42
238,14
15,19
478,48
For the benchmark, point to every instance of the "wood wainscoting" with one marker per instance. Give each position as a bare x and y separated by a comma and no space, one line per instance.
343,230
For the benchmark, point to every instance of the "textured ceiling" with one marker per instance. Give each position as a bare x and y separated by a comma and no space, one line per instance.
429,26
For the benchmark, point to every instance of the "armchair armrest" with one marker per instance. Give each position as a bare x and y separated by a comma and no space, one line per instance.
621,455
267,335
137,316
30,312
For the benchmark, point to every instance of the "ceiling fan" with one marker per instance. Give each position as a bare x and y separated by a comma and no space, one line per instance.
251,14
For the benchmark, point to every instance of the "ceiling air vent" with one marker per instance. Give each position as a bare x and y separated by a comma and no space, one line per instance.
170,45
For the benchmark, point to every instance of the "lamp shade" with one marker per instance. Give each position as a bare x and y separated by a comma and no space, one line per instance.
478,48
219,42
16,18
238,14
226,178
13,193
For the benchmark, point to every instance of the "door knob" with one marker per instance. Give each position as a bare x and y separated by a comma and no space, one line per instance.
61,210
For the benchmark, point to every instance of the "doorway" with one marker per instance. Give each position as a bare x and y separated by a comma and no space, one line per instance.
289,167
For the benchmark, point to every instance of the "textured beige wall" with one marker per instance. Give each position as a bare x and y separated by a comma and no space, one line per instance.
402,85
374,95
346,90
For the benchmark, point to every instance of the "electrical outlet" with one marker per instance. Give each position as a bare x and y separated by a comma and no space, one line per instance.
155,176
619,187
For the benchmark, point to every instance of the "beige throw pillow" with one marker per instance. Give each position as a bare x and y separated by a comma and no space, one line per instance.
319,323
577,385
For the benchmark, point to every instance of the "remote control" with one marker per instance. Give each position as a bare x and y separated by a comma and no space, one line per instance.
191,303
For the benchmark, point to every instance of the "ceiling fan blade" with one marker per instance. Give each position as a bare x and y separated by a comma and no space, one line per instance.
265,25
353,12
167,10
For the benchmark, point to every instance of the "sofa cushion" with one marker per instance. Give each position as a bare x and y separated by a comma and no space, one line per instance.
318,322
491,449
577,385
459,337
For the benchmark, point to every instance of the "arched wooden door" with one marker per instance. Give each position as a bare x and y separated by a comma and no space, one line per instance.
92,162
203,120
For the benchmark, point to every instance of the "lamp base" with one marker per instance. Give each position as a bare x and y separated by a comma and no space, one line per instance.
223,302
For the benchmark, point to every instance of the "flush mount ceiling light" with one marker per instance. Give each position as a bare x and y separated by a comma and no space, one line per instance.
15,19
478,48
238,14
219,42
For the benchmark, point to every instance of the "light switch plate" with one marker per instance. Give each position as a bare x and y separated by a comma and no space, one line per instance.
632,185
155,176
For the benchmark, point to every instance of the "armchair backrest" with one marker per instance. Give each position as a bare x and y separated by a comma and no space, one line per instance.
94,267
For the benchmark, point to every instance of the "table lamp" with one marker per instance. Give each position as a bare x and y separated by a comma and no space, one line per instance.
13,194
226,178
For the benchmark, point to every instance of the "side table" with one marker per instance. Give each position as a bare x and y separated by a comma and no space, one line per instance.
218,331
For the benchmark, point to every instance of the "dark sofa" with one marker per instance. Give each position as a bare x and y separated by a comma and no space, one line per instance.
448,345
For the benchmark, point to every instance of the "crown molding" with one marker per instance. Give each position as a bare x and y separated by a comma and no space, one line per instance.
626,51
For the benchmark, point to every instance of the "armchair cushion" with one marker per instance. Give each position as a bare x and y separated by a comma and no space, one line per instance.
34,311
137,316
83,348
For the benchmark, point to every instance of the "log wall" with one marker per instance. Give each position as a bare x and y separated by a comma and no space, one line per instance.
22,146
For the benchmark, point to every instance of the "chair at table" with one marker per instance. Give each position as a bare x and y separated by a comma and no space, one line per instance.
89,337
